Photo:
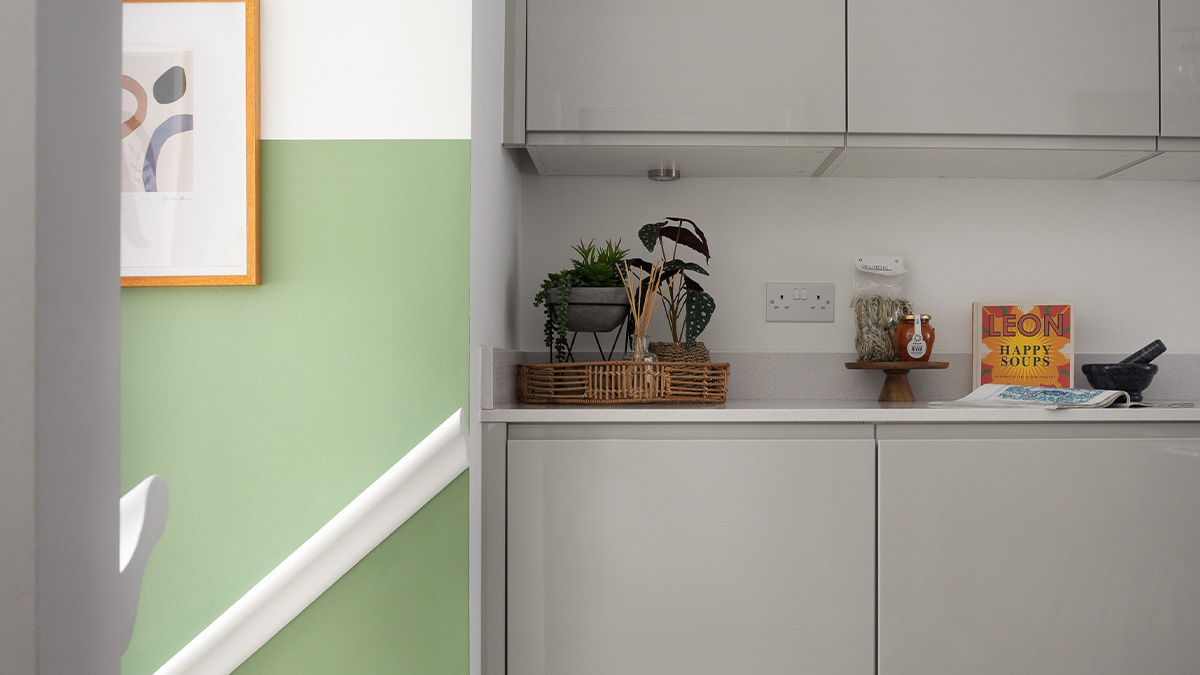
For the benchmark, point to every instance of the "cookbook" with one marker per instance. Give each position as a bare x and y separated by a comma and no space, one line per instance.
1023,343
1013,396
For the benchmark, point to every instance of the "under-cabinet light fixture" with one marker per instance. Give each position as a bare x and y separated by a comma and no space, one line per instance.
664,175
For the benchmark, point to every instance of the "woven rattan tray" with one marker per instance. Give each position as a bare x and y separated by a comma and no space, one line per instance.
624,382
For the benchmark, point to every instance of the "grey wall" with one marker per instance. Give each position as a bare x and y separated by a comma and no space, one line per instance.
78,334
1122,251
495,218
59,337
495,189
17,297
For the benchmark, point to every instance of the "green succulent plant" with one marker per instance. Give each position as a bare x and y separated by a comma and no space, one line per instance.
594,267
597,267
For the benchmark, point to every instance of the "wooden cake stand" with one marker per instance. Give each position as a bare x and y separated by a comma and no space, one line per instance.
895,385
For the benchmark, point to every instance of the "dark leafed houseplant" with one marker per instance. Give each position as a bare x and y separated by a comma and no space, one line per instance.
687,306
588,296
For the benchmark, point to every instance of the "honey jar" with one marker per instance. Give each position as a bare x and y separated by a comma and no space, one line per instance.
914,337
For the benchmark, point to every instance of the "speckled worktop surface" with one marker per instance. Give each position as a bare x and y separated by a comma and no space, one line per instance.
864,412
817,388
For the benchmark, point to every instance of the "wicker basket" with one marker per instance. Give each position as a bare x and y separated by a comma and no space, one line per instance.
623,382
676,351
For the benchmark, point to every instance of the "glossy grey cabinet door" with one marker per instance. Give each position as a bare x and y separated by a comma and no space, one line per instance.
1019,67
1039,549
675,554
686,65
1180,68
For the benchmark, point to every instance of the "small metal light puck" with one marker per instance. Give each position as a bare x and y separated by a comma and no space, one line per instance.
664,175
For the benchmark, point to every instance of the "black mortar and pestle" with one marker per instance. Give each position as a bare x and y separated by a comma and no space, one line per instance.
1132,375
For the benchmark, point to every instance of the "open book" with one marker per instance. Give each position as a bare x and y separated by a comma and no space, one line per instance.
1051,398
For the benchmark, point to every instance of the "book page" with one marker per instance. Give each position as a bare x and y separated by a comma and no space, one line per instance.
1003,395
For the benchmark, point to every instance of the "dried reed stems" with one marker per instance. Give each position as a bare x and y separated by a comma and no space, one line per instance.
641,383
649,302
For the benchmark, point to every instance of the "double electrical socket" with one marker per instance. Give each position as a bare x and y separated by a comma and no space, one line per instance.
800,301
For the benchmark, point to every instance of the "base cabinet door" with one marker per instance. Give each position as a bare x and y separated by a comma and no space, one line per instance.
701,550
1039,549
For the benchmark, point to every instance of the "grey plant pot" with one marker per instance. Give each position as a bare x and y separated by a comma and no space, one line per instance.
593,310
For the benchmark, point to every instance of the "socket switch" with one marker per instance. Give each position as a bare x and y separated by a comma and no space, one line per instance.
800,301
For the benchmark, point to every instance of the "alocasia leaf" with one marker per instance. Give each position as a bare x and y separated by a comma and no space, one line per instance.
700,308
649,234
638,263
677,264
699,232
684,237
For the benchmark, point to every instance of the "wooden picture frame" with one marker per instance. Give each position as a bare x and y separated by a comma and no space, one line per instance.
190,143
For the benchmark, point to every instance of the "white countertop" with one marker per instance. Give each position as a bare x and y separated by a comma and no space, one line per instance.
820,411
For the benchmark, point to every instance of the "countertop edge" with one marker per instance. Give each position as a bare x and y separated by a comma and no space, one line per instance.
848,412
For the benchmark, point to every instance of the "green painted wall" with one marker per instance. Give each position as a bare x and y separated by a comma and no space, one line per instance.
268,409
369,624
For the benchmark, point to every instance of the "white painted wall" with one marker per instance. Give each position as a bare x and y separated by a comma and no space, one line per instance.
1124,252
59,332
331,70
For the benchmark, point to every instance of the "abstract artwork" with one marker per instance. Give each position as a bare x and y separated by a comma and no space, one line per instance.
189,143
156,109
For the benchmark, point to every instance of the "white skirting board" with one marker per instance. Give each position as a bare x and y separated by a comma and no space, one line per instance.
304,575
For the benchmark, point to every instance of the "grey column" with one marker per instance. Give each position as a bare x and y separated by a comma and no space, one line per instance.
59,335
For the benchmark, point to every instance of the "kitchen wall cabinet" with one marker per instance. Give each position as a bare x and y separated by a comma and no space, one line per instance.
1180,69
686,66
870,88
1180,91
1039,549
1004,89
1011,67
649,549
627,86
1179,161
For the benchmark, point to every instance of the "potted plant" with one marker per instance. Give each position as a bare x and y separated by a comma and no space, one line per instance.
586,297
687,306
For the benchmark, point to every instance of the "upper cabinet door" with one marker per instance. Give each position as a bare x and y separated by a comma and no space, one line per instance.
1181,68
1022,67
686,65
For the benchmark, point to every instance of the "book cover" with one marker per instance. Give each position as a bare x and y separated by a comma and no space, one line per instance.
1023,343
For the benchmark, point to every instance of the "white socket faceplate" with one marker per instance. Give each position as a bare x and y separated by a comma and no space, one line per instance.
800,302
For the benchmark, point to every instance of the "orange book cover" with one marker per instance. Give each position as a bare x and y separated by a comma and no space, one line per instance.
1025,343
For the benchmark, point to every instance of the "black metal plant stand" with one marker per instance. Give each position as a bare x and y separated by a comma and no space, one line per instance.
617,333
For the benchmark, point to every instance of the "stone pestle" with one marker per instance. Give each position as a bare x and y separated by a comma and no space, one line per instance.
1146,354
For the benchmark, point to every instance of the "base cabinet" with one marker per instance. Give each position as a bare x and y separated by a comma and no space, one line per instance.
690,549
842,549
1039,549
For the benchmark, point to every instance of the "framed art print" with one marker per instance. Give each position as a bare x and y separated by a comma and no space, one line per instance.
189,143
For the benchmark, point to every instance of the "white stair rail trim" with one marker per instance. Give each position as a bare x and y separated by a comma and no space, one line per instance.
327,555
143,518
